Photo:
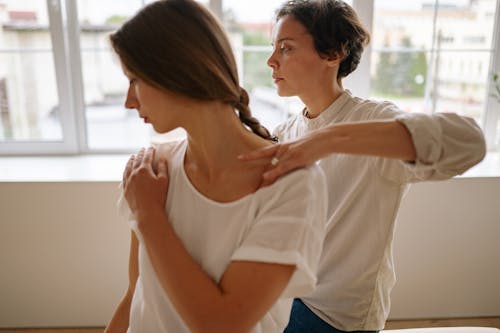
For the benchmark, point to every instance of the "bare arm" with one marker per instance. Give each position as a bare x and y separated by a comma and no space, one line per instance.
120,320
384,138
245,293
247,290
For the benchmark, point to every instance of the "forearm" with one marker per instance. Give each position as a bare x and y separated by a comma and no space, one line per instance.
388,139
120,321
197,298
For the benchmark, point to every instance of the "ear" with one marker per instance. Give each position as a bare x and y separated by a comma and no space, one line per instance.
334,59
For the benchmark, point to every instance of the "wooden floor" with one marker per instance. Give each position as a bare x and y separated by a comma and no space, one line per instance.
480,322
391,324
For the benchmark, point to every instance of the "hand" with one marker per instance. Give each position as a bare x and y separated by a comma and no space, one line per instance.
285,157
145,189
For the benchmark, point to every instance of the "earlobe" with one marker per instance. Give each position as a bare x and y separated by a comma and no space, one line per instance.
334,59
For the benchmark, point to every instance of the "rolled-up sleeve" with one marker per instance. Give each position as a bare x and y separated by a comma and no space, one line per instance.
446,144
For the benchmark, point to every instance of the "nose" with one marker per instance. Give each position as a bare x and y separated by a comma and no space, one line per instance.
271,61
131,101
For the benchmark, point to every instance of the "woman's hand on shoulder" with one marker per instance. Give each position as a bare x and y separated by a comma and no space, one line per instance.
145,182
285,157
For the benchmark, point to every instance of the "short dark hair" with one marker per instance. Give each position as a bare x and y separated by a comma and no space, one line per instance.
334,26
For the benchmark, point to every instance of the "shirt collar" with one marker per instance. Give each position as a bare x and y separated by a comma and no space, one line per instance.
332,112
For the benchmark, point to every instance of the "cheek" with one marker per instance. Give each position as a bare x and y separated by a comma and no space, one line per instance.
301,64
308,68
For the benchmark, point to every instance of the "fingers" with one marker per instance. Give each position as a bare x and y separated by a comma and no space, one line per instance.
285,160
149,155
265,152
162,169
143,157
279,154
138,158
270,176
128,168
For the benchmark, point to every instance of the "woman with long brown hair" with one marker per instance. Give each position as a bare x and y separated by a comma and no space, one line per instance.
210,250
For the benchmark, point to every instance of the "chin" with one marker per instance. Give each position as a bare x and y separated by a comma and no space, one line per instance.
164,129
285,93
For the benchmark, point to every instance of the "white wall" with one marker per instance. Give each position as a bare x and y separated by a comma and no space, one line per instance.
63,252
447,250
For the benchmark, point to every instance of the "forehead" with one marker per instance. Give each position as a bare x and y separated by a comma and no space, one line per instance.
125,70
288,27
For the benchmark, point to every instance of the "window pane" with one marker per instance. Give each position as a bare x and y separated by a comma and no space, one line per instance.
407,24
449,75
465,24
400,77
29,101
250,24
460,82
109,124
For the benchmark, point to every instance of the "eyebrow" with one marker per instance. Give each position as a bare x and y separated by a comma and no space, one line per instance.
289,38
282,40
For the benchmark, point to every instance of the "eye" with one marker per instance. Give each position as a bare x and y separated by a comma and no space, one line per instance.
132,81
284,48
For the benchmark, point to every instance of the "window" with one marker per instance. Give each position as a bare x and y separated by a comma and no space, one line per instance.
109,126
250,25
428,56
62,89
29,99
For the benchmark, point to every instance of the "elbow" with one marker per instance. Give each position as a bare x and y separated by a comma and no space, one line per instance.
222,320
471,142
477,150
473,151
222,325
482,150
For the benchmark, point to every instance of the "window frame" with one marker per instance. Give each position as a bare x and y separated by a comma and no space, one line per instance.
69,143
65,37
491,113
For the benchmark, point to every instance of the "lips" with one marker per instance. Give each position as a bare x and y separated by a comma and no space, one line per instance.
277,78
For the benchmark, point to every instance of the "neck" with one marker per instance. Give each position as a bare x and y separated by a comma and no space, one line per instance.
318,99
216,137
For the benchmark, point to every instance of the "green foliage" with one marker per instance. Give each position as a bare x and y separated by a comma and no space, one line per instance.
257,73
116,20
255,38
496,87
401,73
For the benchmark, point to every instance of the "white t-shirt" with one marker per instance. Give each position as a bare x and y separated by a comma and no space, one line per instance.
283,223
356,271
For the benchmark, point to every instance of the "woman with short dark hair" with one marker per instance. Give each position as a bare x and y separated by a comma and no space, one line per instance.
370,152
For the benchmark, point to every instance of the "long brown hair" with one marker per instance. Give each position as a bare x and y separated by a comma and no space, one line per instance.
179,46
